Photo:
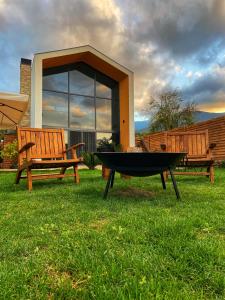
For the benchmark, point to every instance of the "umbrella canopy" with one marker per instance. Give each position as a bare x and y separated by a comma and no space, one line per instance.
12,109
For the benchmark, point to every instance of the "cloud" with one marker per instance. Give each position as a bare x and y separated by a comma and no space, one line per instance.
161,41
179,27
77,112
208,90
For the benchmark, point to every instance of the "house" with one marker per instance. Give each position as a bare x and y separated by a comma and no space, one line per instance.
81,90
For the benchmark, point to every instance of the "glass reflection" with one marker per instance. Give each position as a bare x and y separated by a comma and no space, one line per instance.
54,109
103,91
103,114
81,84
101,135
82,112
56,82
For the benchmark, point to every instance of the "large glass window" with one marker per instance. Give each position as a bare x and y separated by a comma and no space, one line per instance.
56,82
81,84
80,99
82,112
103,114
55,109
103,91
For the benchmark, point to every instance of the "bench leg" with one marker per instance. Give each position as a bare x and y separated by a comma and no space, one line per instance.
163,181
174,184
109,183
165,175
211,172
29,179
62,172
76,175
18,176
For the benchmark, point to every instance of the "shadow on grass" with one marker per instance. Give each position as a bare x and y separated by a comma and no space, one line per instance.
92,186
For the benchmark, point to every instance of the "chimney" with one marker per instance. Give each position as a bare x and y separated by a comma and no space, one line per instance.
25,87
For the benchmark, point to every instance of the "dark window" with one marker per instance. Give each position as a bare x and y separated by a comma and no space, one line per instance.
88,138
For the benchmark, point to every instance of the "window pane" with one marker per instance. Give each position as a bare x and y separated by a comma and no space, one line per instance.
81,84
56,82
103,115
66,137
101,135
103,91
89,138
54,109
82,112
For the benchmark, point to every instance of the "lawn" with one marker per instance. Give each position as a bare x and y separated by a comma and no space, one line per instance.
63,241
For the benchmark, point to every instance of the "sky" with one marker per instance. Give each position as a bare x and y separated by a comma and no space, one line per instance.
168,44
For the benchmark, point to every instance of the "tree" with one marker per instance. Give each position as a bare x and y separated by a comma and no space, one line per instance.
170,111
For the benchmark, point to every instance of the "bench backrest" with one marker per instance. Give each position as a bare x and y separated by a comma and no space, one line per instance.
195,143
49,143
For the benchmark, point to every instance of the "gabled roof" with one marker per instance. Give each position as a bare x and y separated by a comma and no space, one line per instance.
86,54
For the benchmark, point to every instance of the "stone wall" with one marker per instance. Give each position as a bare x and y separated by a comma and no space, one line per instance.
25,87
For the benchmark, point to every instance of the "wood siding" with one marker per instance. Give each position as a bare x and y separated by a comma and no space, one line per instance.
216,131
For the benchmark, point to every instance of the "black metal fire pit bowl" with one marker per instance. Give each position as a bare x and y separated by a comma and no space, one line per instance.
140,164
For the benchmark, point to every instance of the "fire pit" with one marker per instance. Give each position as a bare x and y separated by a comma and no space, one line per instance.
140,164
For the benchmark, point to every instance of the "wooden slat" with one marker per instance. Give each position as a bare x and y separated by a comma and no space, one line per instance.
194,143
45,176
51,145
55,143
192,173
46,143
190,146
32,139
42,140
37,143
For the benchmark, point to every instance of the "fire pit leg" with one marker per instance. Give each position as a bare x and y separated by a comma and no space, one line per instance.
112,179
174,184
109,182
163,181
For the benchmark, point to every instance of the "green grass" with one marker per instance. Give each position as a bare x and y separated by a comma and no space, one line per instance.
63,241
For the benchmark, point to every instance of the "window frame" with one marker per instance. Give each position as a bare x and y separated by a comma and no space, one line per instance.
98,77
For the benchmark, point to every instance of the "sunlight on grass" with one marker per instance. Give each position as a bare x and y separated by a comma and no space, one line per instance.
63,241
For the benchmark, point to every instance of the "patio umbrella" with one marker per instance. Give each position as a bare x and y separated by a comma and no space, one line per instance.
12,109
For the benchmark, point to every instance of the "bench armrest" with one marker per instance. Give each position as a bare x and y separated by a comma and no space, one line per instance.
26,147
73,150
74,147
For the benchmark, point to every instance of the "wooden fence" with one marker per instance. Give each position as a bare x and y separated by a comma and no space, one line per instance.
216,130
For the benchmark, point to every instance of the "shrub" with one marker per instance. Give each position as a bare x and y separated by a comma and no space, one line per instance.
105,145
222,164
90,160
10,151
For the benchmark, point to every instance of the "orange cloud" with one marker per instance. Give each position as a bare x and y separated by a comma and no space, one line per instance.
77,112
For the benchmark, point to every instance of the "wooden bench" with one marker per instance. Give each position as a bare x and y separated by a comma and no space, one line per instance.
44,149
199,152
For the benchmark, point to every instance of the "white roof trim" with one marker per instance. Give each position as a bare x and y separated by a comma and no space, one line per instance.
82,49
